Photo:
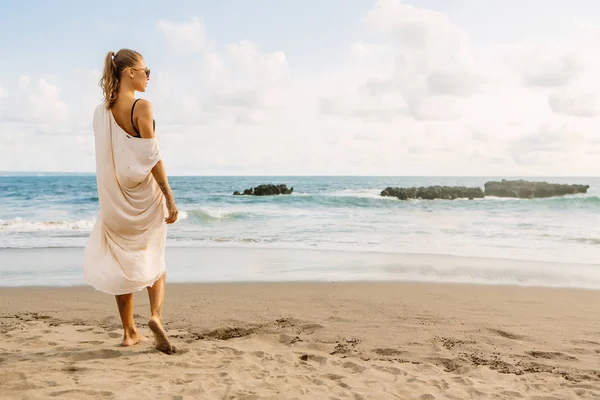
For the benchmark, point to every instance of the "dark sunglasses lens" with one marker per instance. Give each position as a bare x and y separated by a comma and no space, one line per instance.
148,73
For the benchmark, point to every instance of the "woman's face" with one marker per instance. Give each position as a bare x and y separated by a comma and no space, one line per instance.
140,75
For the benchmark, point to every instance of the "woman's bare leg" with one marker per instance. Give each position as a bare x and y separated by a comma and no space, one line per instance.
156,294
130,333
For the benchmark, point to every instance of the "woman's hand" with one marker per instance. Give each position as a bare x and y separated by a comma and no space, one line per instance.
173,212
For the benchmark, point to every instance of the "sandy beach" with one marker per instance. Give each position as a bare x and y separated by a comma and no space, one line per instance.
306,341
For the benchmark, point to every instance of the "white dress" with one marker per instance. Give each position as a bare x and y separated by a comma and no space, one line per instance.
125,251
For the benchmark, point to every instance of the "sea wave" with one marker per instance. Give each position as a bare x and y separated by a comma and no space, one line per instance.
213,214
586,240
22,225
371,198
363,198
575,199
359,193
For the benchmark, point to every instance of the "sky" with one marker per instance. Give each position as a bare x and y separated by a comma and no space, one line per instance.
337,87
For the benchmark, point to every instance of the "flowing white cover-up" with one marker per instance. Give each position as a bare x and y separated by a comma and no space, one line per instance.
125,251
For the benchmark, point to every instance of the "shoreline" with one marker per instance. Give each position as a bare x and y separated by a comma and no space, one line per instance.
462,285
213,247
61,267
306,340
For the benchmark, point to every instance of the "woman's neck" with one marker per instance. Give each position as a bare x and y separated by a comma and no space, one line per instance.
126,92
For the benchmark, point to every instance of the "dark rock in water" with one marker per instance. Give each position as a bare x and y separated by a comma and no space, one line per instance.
266,190
434,192
529,190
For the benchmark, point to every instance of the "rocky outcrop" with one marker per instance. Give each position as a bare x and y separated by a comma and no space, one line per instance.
529,190
517,188
434,192
265,190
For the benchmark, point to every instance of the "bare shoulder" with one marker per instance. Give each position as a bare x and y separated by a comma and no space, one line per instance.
144,107
144,118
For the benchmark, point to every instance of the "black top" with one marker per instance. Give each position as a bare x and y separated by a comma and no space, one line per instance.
133,125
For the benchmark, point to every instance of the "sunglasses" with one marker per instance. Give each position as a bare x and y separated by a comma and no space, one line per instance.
146,70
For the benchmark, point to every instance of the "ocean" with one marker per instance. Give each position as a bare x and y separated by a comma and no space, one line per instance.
330,228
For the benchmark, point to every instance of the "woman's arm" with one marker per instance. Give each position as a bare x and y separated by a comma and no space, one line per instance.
146,128
160,175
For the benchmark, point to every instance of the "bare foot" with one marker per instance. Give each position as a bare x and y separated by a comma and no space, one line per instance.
161,342
132,339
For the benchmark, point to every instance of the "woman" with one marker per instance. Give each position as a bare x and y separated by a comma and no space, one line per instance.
125,252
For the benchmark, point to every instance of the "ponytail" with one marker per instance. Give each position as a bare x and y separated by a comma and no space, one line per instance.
110,80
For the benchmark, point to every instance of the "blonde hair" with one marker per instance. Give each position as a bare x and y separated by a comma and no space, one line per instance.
114,64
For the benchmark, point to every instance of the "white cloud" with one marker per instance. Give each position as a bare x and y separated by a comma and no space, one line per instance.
541,69
574,102
367,51
247,59
24,81
3,101
414,94
47,104
433,43
39,106
186,36
546,145
250,81
213,65
452,83
238,82
433,69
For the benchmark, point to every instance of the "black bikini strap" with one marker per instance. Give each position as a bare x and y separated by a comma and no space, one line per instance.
132,124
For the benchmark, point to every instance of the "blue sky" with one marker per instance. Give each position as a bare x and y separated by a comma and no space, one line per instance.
64,34
505,88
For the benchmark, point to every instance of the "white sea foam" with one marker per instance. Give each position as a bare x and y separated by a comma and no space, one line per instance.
23,225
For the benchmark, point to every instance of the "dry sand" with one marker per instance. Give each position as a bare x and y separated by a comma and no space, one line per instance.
306,341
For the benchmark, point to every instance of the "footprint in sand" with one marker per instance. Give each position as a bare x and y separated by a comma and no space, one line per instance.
308,329
231,351
74,368
449,365
95,394
390,370
95,354
289,340
388,352
311,357
506,334
94,342
334,377
585,342
354,367
228,333
551,355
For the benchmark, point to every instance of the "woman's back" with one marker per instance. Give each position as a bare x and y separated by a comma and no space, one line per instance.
125,113
121,111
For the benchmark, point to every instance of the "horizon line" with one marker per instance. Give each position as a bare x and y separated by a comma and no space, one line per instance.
71,173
